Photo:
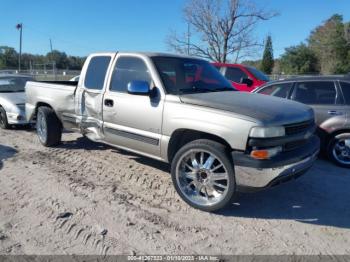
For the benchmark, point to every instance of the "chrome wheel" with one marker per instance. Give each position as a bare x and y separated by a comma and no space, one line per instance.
341,151
41,127
202,177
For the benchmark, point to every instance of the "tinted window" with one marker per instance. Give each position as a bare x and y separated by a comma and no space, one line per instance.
258,74
235,74
96,72
346,91
280,90
13,84
315,92
128,69
187,75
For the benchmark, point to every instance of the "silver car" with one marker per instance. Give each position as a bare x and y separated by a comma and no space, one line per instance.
12,100
329,96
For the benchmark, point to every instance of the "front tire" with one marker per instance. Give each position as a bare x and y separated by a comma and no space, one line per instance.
48,126
203,175
339,150
3,119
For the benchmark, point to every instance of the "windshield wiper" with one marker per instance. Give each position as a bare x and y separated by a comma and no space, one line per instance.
195,90
223,89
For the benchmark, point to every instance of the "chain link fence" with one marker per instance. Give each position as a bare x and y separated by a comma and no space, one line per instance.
46,75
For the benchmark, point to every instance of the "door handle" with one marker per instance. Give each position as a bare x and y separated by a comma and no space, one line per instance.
334,113
109,102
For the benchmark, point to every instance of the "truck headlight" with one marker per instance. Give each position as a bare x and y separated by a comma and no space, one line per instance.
264,132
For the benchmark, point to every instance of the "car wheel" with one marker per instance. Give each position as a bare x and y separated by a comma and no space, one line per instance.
48,126
3,119
203,175
339,150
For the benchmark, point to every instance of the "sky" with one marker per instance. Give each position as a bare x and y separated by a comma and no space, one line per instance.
80,27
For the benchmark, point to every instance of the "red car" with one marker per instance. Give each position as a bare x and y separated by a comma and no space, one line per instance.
243,78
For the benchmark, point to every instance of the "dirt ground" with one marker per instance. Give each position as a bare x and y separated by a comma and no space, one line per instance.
88,198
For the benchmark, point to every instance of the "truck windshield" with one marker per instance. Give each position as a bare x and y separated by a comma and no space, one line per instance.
258,74
188,75
13,84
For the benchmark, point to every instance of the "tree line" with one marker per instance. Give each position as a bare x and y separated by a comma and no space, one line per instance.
326,51
9,60
224,30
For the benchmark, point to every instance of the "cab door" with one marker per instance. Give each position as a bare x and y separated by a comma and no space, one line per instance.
90,95
133,121
235,75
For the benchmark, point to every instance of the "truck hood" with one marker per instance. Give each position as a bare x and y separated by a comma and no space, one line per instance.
264,109
14,98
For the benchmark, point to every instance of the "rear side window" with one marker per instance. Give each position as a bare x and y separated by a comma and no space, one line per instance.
235,74
96,72
316,93
128,69
346,91
279,90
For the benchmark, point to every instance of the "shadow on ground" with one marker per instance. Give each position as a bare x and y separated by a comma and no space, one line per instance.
86,144
5,153
320,197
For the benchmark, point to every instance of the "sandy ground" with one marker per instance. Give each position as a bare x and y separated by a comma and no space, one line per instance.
87,198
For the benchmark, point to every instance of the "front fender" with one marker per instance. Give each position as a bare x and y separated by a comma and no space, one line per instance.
233,130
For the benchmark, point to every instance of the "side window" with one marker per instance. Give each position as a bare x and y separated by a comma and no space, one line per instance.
235,74
96,72
346,91
128,69
280,90
316,93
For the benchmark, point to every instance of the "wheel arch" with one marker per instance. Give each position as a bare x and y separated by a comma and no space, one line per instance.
39,104
183,136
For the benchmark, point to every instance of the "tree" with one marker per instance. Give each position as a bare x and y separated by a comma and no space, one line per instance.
9,57
298,60
60,59
328,41
220,29
267,60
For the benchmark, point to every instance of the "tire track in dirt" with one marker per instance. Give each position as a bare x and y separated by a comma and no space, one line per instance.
55,159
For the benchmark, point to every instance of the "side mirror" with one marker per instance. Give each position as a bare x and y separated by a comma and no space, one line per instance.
141,88
247,81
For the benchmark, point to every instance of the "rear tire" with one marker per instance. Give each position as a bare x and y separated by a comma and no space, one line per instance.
203,175
3,119
48,126
338,150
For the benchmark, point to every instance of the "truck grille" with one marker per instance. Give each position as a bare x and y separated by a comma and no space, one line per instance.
294,145
298,128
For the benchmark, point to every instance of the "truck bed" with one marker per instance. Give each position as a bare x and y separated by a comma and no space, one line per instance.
57,94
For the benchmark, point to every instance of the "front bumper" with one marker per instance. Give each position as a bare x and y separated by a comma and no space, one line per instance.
253,175
16,118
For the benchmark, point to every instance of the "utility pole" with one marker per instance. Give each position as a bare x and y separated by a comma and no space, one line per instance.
188,39
19,27
53,62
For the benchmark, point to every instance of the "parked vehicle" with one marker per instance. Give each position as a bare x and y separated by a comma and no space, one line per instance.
243,78
330,99
12,100
180,110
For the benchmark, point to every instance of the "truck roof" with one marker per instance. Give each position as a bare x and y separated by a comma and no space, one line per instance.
313,78
149,54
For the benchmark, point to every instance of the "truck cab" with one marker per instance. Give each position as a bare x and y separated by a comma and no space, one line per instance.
242,77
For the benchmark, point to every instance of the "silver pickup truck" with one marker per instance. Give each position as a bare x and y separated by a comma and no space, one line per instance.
180,110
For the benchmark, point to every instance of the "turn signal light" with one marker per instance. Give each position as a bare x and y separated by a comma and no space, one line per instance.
260,154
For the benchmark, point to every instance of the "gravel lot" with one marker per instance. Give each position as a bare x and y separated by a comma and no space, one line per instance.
88,198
